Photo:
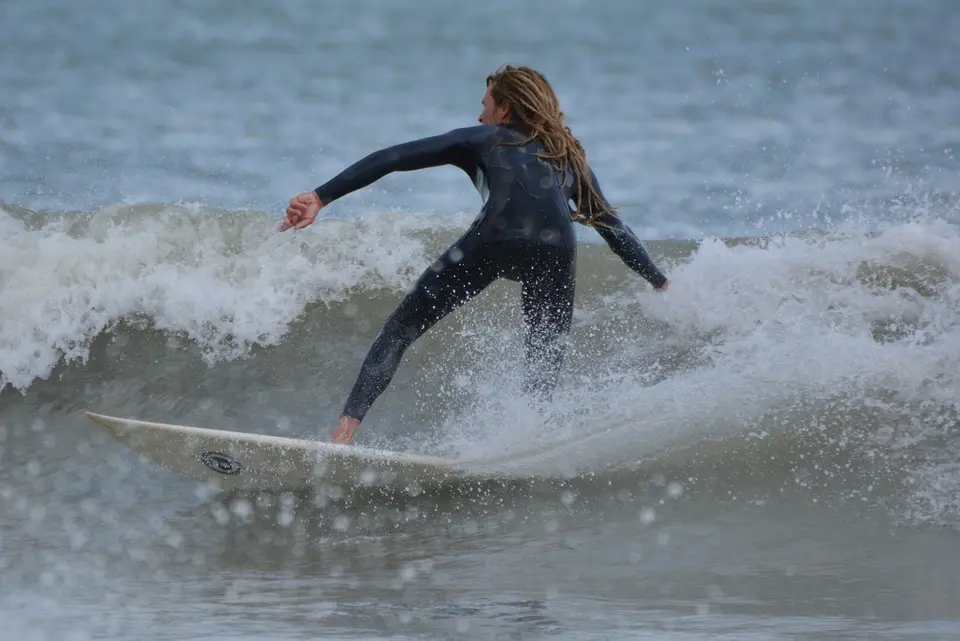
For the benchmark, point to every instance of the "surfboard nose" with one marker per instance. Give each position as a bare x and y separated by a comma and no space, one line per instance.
104,421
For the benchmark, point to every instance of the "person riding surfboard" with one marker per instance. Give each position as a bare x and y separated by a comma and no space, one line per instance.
535,180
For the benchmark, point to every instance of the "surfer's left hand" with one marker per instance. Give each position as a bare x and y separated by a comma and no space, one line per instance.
302,211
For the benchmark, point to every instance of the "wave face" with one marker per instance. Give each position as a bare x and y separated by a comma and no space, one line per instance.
821,360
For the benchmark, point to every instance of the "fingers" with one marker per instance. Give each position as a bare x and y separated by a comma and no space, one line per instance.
297,221
301,211
291,219
296,212
296,208
299,203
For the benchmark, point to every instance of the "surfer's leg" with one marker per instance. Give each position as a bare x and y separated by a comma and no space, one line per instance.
455,278
547,298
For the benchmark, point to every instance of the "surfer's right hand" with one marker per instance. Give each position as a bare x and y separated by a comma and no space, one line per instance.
302,211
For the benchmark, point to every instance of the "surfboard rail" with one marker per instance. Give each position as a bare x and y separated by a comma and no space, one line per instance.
255,461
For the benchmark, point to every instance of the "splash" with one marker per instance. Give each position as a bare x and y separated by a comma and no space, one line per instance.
833,355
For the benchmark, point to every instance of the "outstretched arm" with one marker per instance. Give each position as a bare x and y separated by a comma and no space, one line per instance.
450,148
626,245
445,149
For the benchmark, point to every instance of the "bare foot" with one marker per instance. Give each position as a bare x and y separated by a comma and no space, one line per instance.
343,432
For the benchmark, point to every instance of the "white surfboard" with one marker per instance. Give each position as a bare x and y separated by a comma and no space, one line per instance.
233,460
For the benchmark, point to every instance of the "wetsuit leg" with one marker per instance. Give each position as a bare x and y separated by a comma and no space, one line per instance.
452,280
547,292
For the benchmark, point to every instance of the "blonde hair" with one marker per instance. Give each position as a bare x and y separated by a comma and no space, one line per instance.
533,103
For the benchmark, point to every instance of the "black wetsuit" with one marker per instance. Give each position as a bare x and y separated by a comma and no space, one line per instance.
524,233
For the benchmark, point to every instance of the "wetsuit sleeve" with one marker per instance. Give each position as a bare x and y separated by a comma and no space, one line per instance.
625,243
451,148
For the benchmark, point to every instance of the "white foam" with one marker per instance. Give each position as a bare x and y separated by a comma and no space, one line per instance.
225,281
799,321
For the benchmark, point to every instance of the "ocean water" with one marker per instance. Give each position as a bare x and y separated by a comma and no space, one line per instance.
767,451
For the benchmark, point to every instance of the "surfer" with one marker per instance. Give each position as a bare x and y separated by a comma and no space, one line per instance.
535,181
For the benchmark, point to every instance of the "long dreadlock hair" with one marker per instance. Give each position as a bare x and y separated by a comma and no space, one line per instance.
533,103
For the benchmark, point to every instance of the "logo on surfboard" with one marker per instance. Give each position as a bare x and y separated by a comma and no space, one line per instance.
221,463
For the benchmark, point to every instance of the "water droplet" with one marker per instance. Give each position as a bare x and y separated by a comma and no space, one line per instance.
567,497
221,514
320,467
648,515
408,573
242,508
674,490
